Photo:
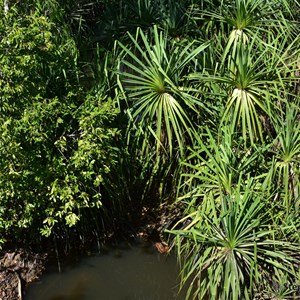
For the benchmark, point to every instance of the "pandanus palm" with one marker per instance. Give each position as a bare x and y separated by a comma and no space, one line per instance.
229,250
255,80
218,166
152,74
231,238
284,170
254,46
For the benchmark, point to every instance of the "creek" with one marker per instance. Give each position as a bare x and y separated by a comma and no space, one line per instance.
123,272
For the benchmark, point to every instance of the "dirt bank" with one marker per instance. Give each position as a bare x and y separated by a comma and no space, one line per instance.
17,270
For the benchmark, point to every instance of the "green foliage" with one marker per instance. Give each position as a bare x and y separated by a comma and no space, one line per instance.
207,92
284,169
56,142
245,160
120,17
83,167
229,248
217,167
158,99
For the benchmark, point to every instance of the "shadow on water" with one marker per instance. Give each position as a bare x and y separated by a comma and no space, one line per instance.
120,273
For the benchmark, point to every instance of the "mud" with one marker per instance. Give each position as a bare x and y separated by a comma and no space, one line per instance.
17,270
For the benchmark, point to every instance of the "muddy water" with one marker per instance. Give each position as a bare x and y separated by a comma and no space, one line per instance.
123,273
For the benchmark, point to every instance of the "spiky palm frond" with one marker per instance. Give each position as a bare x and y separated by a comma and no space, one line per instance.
255,81
153,77
284,169
235,251
218,166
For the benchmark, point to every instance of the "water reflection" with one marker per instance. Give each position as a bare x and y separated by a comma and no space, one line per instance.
135,273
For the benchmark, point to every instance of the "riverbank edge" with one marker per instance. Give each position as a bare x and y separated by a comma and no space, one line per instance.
21,267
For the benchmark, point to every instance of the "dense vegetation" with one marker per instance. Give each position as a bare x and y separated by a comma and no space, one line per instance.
109,106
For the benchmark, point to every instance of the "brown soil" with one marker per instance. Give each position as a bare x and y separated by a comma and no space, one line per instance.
17,270
9,285
153,221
